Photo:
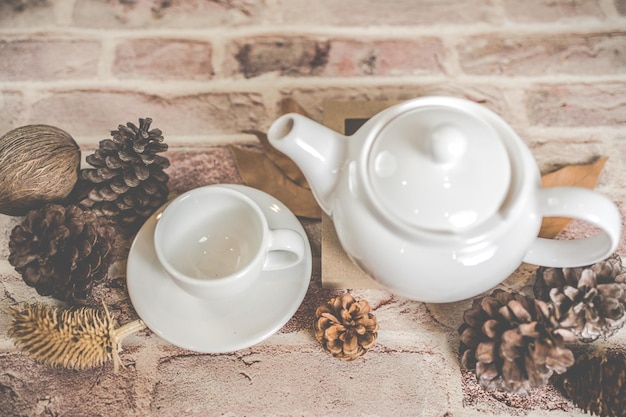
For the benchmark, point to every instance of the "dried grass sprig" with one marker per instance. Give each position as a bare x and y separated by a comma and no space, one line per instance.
70,338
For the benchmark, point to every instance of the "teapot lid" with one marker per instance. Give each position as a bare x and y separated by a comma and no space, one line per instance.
438,167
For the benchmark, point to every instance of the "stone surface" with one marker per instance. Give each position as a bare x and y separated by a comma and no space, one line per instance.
207,72
330,386
163,59
553,11
573,105
25,14
420,56
48,60
413,366
601,53
402,12
337,57
175,115
294,56
138,14
11,107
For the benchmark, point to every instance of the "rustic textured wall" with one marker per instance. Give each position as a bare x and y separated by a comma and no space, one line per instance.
206,71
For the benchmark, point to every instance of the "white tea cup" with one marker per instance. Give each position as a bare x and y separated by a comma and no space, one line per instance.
215,242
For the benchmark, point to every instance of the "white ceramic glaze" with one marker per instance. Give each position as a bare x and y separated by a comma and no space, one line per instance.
439,199
222,325
215,242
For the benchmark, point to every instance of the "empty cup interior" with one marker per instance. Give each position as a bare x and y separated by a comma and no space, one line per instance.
211,236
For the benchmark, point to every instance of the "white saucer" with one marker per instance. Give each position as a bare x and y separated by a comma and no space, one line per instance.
223,325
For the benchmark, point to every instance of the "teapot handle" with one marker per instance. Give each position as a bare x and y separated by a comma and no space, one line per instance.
583,204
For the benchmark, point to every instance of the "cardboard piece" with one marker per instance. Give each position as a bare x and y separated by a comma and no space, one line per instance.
338,270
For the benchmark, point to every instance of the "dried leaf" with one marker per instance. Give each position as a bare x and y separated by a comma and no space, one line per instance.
285,164
275,173
572,175
259,171
289,105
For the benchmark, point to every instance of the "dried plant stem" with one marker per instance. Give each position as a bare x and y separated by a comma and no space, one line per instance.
118,335
70,338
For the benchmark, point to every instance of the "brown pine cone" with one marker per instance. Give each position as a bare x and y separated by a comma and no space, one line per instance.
128,182
345,327
589,301
509,341
62,251
597,383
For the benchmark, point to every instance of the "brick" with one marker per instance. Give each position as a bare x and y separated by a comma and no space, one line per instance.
288,56
26,14
575,105
163,59
303,56
240,384
192,168
389,13
592,54
48,59
96,112
552,10
385,57
172,13
32,389
11,107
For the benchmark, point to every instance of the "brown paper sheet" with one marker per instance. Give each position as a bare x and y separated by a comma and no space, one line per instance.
338,270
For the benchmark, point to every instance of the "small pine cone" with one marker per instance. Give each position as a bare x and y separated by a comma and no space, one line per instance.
596,383
345,327
589,301
62,251
128,182
509,341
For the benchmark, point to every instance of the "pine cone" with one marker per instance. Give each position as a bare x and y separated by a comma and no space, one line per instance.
589,301
597,383
127,183
62,251
509,341
346,327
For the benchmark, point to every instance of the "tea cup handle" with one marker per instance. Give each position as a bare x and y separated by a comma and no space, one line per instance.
583,204
285,249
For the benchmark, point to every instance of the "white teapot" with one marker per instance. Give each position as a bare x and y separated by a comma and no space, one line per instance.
439,199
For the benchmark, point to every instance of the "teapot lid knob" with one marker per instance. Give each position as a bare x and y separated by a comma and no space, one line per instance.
447,144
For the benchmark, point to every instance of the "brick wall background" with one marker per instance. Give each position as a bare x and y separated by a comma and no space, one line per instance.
206,70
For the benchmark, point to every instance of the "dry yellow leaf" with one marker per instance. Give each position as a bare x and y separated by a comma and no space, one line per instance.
572,175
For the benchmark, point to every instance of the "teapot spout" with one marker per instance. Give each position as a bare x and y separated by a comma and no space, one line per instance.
318,151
